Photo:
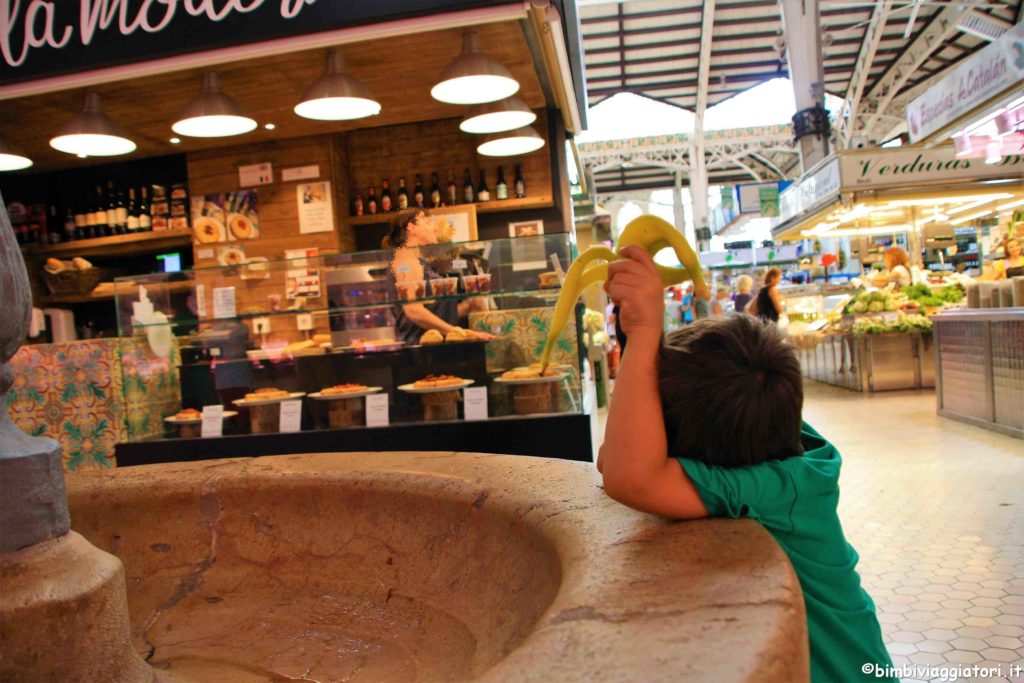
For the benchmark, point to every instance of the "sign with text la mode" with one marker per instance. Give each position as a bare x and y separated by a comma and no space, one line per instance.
993,69
907,167
45,38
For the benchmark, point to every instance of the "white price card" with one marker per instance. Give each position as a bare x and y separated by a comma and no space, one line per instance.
201,300
255,174
223,302
291,416
475,403
459,264
213,421
377,410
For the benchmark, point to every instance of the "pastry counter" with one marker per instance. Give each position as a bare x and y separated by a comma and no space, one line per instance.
312,354
980,368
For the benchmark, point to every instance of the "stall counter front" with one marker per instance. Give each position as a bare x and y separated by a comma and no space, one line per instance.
980,368
79,394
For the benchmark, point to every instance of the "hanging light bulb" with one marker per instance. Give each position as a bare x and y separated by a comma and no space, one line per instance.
337,96
512,143
11,157
92,133
473,77
496,117
212,114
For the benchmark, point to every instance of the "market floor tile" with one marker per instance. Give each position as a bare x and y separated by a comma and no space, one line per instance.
936,510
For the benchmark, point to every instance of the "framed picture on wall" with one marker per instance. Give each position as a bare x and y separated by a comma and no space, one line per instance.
526,228
455,223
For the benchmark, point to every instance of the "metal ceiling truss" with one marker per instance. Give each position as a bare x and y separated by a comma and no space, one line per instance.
724,150
876,104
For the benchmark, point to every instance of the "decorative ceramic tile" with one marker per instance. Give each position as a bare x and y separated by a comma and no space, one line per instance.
75,392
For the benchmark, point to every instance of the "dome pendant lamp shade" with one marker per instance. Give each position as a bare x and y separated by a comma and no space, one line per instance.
212,114
513,143
336,96
12,158
92,133
497,117
473,77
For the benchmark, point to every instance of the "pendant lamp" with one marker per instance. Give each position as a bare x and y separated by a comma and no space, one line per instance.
512,143
92,133
11,157
337,96
473,77
497,117
212,114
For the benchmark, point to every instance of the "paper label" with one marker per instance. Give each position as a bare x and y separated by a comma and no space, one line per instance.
204,253
377,410
201,300
213,421
223,302
459,264
255,174
475,403
299,173
291,416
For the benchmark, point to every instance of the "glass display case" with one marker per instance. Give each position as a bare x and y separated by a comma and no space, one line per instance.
341,342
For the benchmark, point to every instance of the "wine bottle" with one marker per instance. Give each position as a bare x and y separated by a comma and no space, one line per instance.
357,205
102,225
501,189
520,183
81,217
133,212
145,217
417,192
468,193
482,193
403,195
451,191
385,196
121,221
435,191
371,200
70,229
111,209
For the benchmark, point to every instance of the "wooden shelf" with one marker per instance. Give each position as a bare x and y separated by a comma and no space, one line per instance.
127,245
51,299
481,207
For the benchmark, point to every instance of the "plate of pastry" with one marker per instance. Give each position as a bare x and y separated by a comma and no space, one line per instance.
530,375
434,383
339,391
193,416
265,395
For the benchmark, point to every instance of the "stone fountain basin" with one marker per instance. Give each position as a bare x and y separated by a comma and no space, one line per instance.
433,567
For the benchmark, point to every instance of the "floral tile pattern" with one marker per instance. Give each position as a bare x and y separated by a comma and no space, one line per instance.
74,392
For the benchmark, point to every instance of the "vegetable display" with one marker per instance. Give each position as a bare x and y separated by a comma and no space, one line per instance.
904,323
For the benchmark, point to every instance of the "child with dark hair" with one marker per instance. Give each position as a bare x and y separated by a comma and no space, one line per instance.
707,423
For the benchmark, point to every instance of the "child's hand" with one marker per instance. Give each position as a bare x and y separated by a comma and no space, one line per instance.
635,286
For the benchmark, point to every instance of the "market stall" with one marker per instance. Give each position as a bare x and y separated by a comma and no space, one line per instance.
351,113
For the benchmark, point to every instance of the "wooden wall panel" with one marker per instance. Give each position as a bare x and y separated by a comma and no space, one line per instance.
439,146
216,171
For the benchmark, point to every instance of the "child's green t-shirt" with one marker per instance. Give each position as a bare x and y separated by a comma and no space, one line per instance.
795,500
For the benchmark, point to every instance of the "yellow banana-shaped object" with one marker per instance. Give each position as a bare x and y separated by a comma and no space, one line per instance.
648,232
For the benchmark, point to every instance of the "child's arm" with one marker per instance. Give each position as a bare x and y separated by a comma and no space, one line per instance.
634,457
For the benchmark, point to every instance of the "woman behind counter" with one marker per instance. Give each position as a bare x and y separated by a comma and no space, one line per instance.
410,231
1013,264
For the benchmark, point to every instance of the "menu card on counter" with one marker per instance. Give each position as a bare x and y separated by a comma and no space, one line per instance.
291,416
213,421
475,403
377,410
